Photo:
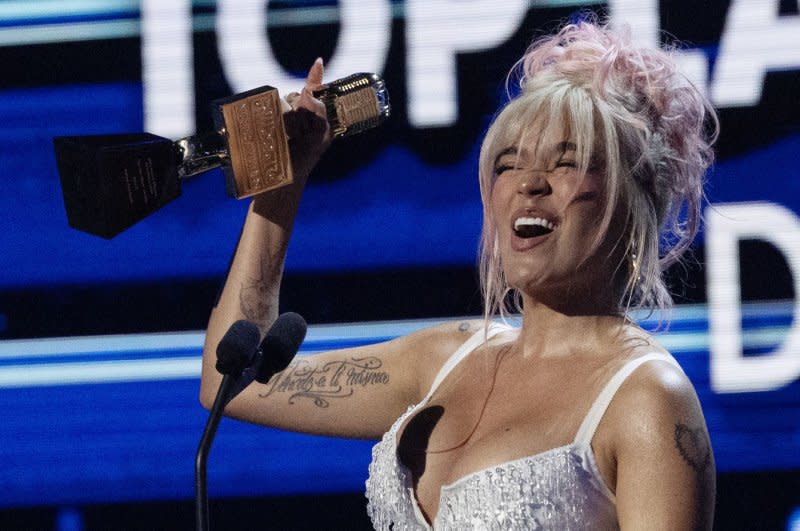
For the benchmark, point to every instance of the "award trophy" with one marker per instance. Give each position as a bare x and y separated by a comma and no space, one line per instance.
110,182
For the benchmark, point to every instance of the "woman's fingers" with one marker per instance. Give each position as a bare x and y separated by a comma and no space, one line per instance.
288,102
306,123
305,99
314,78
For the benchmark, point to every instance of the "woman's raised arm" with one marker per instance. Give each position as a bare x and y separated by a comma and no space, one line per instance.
354,392
253,282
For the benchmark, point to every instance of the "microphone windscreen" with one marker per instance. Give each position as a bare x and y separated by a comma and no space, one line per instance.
281,344
237,347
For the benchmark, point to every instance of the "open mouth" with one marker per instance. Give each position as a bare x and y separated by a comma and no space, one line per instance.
532,227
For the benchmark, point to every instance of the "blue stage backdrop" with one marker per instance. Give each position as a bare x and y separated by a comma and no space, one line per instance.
114,417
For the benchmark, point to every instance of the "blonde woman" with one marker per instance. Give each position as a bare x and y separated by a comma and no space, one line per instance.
591,180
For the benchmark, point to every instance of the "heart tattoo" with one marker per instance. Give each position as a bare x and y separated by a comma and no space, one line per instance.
694,447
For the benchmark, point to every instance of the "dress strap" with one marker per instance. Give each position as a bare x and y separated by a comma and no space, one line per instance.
463,351
601,403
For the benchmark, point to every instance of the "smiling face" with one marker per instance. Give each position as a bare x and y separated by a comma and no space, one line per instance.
548,216
652,132
547,203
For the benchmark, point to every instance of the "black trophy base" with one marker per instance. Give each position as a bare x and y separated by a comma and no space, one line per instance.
110,182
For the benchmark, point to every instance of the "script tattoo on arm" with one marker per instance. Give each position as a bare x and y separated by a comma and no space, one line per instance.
693,446
333,380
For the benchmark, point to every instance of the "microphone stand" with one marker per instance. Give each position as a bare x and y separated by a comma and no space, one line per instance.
201,458
282,342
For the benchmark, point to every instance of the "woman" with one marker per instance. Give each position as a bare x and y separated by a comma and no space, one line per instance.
576,420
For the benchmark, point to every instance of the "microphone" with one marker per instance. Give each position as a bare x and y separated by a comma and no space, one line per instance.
235,352
237,348
280,345
277,349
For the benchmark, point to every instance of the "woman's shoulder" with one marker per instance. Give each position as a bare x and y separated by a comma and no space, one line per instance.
655,398
439,342
655,434
435,345
656,371
655,377
446,339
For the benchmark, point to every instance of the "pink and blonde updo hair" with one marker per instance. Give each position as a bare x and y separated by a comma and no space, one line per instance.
630,113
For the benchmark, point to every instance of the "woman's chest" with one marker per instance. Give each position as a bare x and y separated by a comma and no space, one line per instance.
473,424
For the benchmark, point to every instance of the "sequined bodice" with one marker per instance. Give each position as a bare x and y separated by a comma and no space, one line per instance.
560,489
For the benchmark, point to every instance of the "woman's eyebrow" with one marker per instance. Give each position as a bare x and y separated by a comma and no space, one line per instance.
507,151
563,147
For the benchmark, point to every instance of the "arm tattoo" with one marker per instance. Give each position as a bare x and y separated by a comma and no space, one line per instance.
258,295
335,379
255,300
464,327
693,446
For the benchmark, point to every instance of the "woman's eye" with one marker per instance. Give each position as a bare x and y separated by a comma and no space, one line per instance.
502,168
586,196
566,164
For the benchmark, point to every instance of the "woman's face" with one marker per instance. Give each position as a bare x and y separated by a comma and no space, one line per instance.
548,218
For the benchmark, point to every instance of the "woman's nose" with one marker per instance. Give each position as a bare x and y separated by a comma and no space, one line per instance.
534,183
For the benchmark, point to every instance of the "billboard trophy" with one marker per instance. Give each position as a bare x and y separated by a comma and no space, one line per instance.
110,182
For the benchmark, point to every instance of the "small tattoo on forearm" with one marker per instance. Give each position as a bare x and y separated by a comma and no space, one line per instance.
693,446
464,327
333,380
255,301
258,295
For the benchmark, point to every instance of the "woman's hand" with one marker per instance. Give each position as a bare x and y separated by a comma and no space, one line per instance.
307,124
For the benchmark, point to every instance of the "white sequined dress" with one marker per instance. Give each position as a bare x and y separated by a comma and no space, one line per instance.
560,489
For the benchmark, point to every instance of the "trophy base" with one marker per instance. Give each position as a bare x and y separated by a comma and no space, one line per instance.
110,182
